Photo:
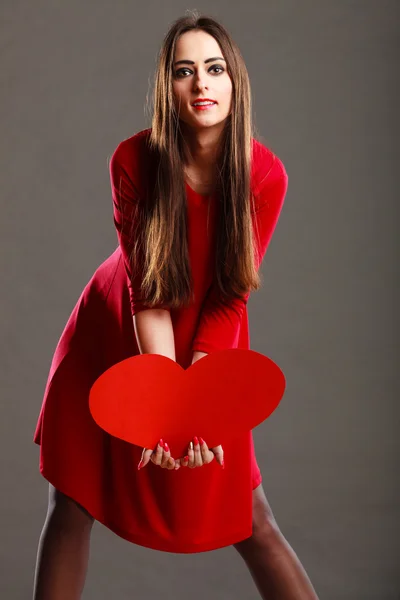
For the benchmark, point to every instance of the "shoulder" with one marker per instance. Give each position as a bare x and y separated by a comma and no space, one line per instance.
267,169
132,149
130,163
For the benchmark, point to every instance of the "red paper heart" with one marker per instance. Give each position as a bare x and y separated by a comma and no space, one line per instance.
149,396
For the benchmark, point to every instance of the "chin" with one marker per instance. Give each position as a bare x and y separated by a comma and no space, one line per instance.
198,124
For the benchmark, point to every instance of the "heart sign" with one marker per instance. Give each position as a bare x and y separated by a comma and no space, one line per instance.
149,396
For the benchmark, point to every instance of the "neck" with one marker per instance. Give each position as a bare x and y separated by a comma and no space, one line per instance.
201,147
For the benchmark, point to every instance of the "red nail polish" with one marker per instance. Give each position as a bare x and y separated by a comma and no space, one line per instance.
223,464
166,447
140,465
196,441
161,444
201,440
186,458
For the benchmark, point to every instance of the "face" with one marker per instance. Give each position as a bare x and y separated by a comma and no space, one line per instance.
199,77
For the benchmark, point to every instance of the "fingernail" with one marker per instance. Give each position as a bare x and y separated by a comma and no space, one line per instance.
201,440
161,444
191,445
186,458
223,464
140,465
166,447
196,441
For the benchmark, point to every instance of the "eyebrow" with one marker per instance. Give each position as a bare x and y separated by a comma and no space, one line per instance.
190,62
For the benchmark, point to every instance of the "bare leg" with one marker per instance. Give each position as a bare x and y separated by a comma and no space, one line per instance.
63,552
274,566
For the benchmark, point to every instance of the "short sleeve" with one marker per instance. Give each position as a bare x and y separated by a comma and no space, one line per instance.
219,324
126,199
270,198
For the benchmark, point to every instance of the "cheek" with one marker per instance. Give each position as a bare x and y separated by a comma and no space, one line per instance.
179,97
227,88
227,92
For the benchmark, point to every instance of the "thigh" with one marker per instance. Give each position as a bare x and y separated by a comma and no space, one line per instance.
67,509
265,530
262,512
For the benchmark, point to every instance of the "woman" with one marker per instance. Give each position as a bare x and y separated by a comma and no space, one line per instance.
196,199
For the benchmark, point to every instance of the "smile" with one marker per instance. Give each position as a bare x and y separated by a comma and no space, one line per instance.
206,106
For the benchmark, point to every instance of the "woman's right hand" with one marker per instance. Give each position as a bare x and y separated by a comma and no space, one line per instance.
160,456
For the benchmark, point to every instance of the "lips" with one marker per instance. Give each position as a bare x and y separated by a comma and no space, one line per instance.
204,100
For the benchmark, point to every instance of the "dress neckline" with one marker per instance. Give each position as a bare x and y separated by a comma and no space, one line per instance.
201,197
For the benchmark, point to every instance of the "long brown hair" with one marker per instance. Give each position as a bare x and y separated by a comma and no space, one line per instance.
166,273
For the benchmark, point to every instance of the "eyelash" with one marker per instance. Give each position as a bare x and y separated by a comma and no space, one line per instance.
177,74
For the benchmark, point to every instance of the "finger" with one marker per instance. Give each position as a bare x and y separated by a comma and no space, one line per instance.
206,454
157,455
146,454
170,464
184,462
177,464
191,456
219,455
165,461
198,459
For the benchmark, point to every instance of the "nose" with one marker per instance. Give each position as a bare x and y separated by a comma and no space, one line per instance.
199,83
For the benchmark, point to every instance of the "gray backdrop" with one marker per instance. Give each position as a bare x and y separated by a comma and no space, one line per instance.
74,81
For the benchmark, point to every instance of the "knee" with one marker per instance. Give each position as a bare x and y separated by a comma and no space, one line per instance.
265,531
266,537
66,512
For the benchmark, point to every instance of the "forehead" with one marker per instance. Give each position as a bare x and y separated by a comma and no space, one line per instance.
197,46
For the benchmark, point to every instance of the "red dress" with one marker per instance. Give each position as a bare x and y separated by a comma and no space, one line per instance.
182,511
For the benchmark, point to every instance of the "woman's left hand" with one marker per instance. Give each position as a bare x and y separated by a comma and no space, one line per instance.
199,455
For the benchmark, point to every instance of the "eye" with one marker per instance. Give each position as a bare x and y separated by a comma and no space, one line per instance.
180,72
218,67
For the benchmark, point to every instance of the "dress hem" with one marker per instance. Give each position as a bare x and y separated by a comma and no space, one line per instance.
148,542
